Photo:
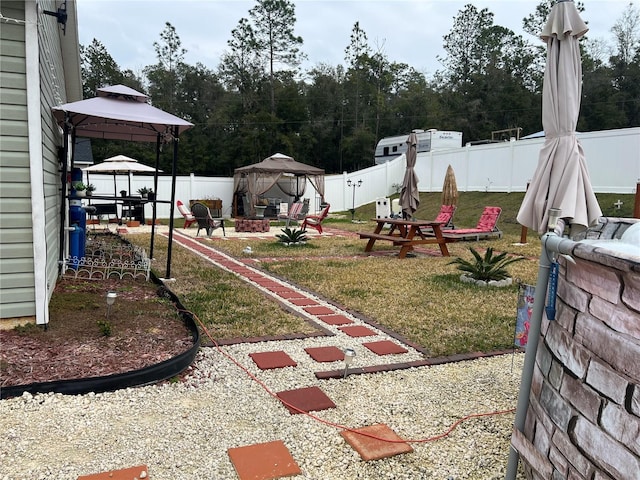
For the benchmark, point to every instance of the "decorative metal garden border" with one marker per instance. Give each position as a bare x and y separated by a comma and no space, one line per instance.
109,259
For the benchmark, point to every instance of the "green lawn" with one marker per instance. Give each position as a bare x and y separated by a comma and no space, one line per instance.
419,298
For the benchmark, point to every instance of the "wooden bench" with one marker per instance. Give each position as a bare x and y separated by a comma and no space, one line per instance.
396,239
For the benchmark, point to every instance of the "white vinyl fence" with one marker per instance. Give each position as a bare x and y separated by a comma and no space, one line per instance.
613,159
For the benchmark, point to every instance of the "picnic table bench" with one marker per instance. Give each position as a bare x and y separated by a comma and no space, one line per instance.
406,234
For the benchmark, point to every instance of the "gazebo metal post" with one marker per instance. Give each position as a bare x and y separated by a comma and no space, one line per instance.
173,198
155,197
63,190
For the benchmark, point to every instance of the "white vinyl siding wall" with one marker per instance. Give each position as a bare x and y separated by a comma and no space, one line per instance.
52,93
32,81
17,289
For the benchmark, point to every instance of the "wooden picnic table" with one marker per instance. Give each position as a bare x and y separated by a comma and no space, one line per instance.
407,234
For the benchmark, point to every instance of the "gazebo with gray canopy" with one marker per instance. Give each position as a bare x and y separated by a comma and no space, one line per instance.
258,178
120,113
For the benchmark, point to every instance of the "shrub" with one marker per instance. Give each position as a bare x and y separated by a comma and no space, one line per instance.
105,328
292,236
486,268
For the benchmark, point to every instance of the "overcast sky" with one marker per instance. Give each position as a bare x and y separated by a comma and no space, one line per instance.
407,31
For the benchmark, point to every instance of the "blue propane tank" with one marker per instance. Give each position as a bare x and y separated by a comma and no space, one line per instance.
78,220
75,245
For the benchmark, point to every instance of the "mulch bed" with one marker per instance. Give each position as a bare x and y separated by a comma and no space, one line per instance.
144,329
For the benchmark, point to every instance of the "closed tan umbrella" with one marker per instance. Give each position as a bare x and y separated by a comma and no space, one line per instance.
409,195
561,179
450,188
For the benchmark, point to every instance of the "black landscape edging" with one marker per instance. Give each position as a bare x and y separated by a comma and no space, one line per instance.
135,378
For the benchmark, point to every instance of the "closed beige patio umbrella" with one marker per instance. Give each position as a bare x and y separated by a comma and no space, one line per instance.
561,179
409,195
450,188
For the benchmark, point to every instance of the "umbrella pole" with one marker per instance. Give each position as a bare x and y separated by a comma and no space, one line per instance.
551,242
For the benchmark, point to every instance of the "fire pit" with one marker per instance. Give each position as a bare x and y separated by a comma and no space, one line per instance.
252,225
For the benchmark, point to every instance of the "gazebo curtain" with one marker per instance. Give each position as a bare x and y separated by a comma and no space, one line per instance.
255,184
277,170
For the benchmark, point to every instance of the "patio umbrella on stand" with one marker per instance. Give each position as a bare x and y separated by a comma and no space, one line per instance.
561,179
409,195
119,165
450,188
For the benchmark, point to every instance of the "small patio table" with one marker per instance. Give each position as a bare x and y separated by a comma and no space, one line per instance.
407,234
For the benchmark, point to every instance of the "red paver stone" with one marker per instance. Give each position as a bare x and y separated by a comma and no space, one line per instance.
373,449
308,399
291,294
231,265
270,360
245,272
357,331
263,461
301,302
325,354
319,310
132,473
335,319
385,347
279,288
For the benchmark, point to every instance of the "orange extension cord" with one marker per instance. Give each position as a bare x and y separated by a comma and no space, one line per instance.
335,425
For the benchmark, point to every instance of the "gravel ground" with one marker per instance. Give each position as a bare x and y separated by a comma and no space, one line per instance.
183,430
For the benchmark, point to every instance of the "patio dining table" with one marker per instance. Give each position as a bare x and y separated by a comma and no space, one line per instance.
131,208
407,234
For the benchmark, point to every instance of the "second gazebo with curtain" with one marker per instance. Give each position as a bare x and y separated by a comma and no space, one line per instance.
279,171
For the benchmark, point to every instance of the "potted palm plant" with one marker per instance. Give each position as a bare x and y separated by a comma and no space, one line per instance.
292,236
90,189
486,270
